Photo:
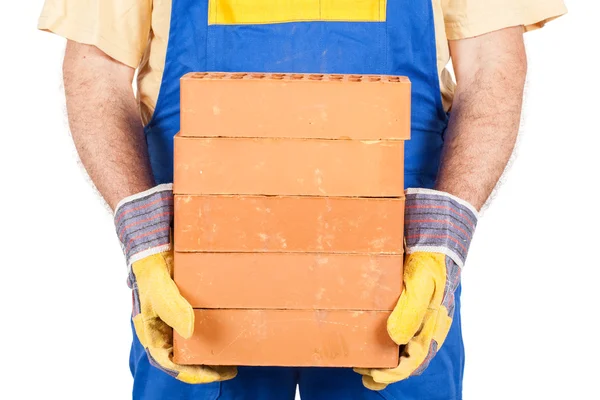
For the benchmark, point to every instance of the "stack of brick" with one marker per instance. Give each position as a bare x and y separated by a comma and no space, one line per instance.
289,206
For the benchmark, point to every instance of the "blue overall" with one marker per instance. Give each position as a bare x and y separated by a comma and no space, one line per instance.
403,44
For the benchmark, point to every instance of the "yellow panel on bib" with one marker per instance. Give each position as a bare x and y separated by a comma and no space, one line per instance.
226,12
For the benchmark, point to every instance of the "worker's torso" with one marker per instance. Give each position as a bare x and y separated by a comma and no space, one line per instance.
334,36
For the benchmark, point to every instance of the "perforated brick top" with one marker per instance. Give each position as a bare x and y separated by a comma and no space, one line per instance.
295,77
277,105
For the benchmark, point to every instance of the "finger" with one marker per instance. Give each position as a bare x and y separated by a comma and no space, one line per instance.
417,354
414,355
419,288
418,351
369,383
158,342
367,379
225,372
170,306
363,371
378,379
152,331
161,358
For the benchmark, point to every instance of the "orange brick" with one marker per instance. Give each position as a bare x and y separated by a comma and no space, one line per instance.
289,167
295,106
289,280
289,338
288,224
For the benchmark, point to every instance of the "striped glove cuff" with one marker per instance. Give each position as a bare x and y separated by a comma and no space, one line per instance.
438,222
143,223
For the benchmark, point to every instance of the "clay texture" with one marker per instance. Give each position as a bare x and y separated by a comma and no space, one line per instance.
290,280
289,338
289,167
290,224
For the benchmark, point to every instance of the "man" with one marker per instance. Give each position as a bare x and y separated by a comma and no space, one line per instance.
453,160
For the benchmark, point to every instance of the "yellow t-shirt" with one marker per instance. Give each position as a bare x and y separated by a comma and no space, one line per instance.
136,32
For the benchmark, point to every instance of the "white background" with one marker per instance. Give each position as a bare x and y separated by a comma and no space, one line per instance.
531,285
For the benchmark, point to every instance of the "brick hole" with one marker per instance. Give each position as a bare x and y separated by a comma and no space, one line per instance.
238,76
336,77
199,75
218,75
355,78
394,79
277,76
374,78
297,76
315,77
257,76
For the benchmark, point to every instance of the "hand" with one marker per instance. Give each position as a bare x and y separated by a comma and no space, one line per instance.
143,224
438,231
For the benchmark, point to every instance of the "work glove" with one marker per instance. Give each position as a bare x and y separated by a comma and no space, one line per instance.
143,223
438,231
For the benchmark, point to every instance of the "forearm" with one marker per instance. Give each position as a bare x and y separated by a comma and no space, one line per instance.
485,117
105,123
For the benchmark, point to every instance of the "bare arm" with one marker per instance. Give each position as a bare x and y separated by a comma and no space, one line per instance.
484,122
105,122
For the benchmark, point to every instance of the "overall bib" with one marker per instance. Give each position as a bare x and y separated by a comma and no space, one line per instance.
306,36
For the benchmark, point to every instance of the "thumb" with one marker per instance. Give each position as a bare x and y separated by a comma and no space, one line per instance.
408,315
174,310
167,302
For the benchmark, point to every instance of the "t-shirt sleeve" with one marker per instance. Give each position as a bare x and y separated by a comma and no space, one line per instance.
120,28
469,18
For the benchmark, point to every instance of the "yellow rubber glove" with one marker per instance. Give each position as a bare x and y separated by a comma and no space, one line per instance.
438,231
143,224
163,309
